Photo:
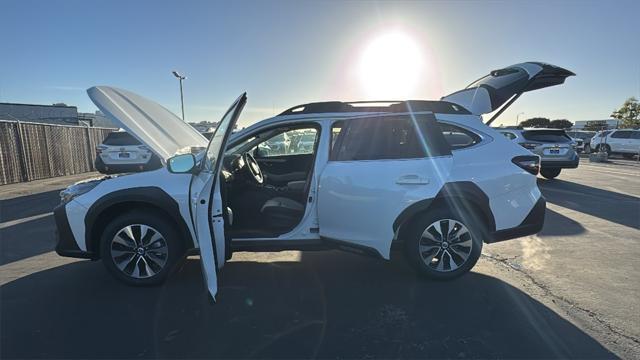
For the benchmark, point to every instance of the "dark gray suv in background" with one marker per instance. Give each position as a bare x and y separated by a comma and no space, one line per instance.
554,146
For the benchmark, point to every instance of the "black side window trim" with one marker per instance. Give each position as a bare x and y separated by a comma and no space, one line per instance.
477,139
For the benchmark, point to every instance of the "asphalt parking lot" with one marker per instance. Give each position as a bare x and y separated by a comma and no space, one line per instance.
570,291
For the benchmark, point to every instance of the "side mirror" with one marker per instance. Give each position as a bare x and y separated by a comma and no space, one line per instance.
261,151
181,164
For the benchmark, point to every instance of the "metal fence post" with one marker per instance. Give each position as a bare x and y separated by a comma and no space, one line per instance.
48,150
22,156
90,150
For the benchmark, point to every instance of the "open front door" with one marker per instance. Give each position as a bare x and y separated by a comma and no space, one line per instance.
490,92
206,200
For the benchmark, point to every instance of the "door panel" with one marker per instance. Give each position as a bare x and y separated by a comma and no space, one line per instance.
358,201
206,200
281,169
379,166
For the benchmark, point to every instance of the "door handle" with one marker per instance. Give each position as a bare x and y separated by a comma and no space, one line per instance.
412,180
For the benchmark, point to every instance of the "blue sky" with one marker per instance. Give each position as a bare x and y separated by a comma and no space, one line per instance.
286,53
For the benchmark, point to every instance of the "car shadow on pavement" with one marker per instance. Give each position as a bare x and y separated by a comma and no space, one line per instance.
326,305
608,205
27,239
33,236
28,205
556,224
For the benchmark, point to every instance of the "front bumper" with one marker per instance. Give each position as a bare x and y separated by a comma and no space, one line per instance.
532,224
66,243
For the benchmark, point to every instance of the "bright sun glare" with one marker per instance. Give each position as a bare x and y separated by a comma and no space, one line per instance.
390,66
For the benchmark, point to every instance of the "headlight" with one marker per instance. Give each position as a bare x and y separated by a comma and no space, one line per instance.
78,189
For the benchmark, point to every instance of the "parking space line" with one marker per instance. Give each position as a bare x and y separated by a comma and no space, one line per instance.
603,170
23,220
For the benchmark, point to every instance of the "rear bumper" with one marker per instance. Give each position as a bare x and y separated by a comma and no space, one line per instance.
563,164
66,244
151,164
532,224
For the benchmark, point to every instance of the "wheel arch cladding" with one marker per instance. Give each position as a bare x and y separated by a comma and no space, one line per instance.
453,195
113,204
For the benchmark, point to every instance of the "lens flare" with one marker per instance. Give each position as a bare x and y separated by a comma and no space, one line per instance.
391,66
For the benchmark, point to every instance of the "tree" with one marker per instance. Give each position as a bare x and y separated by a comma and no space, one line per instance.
536,122
629,113
561,124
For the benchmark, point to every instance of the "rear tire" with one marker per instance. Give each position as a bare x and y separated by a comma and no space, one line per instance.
587,149
550,173
141,248
438,257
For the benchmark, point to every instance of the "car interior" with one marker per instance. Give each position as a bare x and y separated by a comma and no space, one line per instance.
267,178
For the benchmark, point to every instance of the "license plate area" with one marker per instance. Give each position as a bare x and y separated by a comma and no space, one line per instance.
555,151
124,155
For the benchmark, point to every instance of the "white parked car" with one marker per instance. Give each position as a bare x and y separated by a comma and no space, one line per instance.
120,152
625,142
426,176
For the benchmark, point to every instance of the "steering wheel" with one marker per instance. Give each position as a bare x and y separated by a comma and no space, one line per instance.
253,168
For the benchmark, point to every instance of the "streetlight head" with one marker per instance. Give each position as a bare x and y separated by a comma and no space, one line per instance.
176,74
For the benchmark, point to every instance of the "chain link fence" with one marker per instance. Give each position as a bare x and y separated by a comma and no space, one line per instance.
31,151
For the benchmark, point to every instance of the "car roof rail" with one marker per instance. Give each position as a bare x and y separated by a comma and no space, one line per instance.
388,106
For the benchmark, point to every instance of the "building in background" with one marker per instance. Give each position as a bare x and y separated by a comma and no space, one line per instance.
596,124
58,114
96,119
205,126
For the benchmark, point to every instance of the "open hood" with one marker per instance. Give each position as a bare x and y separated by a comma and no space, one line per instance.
490,92
155,126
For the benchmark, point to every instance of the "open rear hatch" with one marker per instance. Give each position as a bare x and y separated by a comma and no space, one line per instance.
500,88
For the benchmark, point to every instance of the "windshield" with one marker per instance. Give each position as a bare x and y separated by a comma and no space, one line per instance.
220,134
120,139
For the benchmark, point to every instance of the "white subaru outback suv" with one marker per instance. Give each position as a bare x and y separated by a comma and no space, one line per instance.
428,177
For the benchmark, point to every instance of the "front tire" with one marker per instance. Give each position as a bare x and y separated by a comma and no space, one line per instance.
550,173
140,248
442,245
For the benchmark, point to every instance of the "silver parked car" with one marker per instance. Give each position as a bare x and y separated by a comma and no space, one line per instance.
583,139
555,147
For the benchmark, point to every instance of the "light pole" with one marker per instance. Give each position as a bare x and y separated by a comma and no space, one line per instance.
518,118
180,77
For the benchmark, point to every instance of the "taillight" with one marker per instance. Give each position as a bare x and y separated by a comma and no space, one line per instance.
529,163
100,149
529,146
143,147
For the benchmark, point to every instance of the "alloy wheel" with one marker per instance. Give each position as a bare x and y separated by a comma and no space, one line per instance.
445,245
139,251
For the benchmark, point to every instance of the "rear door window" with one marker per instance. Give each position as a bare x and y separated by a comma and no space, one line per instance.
621,134
635,135
387,137
546,136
